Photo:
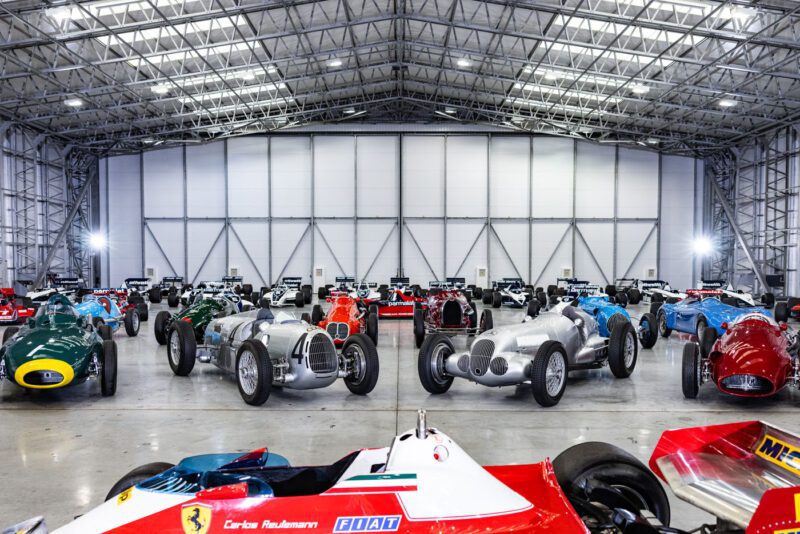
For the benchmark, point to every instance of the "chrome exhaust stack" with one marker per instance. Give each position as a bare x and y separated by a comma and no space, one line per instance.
422,427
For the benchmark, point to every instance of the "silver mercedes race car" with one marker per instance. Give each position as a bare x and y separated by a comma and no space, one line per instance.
263,350
538,351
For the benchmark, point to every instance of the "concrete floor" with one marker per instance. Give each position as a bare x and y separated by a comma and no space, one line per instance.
62,450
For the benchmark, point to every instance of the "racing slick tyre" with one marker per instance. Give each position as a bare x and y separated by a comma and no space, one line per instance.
384,293
551,290
611,291
316,314
105,331
661,319
549,373
263,302
702,325
707,342
372,327
781,311
634,296
108,374
132,323
299,299
672,300
160,328
143,310
622,350
655,306
622,299
486,323
306,293
253,372
561,291
154,294
365,365
541,296
419,326
657,297
373,310
486,298
477,293
768,299
306,317
173,299
322,293
730,301
691,374
97,322
648,331
247,289
10,331
430,364
615,479
182,348
533,308
553,300
140,474
497,299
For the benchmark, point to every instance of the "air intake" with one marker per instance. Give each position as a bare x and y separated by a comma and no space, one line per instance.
746,384
482,351
322,355
451,314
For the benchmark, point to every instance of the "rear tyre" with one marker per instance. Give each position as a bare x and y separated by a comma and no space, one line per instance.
497,299
634,296
661,319
306,317
690,377
316,314
768,299
702,326
143,310
487,323
533,308
154,294
253,372
477,293
160,327
542,298
173,299
622,350
108,376
648,331
105,331
10,331
657,297
782,311
655,306
182,348
707,342
140,474
299,299
372,327
365,365
132,323
551,290
419,326
549,373
611,291
322,293
306,289
431,363
486,298
622,299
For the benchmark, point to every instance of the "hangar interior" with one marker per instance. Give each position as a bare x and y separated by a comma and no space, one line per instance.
593,140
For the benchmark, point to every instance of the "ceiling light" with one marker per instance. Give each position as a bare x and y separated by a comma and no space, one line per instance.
335,62
464,62
450,111
349,111
160,89
703,246
527,69
652,141
639,89
552,76
60,14
272,69
73,102
726,103
517,85
97,241
737,12
246,75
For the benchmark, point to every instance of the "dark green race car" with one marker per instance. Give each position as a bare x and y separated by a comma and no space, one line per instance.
57,348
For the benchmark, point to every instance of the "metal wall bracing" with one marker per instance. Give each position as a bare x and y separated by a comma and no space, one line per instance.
751,191
41,180
427,206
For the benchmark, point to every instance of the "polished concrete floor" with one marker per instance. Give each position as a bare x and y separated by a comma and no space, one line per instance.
62,450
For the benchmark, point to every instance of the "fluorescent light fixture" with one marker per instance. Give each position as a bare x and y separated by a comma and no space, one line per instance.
241,107
246,75
73,102
726,103
334,62
552,76
739,13
463,62
184,55
212,95
450,111
60,14
97,241
272,69
565,108
518,85
702,246
527,69
652,141
580,95
160,89
639,89
630,57
164,32
349,111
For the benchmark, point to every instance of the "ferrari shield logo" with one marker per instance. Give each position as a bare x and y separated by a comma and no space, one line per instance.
195,518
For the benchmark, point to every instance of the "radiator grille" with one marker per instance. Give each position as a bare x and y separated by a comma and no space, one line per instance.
482,350
463,363
498,366
451,313
322,354
338,330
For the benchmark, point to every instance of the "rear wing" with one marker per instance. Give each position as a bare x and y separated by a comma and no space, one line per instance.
137,282
171,281
292,281
703,293
399,281
712,284
745,473
233,279
345,280
67,282
457,282
653,284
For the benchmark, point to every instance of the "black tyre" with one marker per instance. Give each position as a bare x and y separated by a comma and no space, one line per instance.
533,308
105,331
140,474
487,322
657,297
173,299
132,323
661,319
672,300
360,351
497,299
700,327
384,293
431,363
634,296
143,310
549,373
551,290
372,327
622,350
108,374
299,299
373,310
306,290
306,317
611,291
601,466
541,296
160,327
655,306
781,311
247,289
561,291
8,332
691,374
322,293
182,348
97,322
473,319
154,294
648,331
419,326
622,299
486,298
316,314
253,372
477,293
707,342
768,299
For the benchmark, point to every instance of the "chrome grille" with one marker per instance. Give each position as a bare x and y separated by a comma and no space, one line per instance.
463,363
338,330
498,366
482,350
322,354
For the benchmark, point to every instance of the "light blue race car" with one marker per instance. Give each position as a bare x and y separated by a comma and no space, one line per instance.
607,313
696,313
102,310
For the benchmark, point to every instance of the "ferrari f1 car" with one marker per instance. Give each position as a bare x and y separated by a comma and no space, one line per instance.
754,357
538,351
263,350
58,347
451,313
290,292
346,316
701,309
101,309
14,309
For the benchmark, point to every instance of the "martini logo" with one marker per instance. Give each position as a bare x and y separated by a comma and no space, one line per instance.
369,523
195,518
780,453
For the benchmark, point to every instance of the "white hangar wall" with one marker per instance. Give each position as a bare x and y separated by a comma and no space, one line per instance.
428,205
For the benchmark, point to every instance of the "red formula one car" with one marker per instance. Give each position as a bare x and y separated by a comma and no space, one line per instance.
345,317
14,309
755,357
398,300
449,311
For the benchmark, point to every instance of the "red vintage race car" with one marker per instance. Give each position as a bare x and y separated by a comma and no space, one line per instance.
755,357
14,309
449,311
346,316
398,300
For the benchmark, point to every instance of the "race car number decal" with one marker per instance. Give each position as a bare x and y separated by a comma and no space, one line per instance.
370,523
124,496
780,453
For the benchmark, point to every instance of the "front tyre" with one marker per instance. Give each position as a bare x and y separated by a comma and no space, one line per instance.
108,376
663,329
182,348
549,373
497,299
173,299
253,372
691,373
9,332
431,363
648,331
132,323
160,327
140,474
419,326
360,351
487,322
533,309
316,313
299,299
622,350
372,327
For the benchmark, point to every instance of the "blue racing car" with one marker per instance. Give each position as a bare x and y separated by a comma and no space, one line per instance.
699,311
607,312
101,309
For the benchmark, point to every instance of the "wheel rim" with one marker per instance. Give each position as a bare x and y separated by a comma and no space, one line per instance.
630,350
701,328
174,347
662,323
555,374
358,363
644,331
440,354
248,372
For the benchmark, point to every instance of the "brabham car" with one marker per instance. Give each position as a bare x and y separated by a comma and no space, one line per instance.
288,293
449,312
343,284
767,300
263,350
346,316
210,289
509,292
14,309
103,310
170,287
58,347
538,351
754,357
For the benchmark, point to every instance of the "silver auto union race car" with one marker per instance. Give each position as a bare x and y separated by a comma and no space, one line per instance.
264,350
540,351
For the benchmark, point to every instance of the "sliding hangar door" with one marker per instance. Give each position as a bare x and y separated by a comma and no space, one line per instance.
425,206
